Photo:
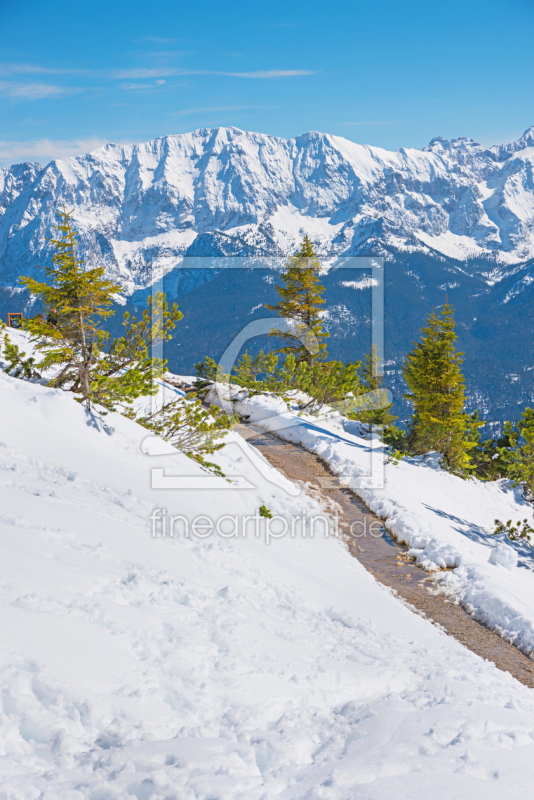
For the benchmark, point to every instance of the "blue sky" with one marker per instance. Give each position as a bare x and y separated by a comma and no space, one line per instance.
391,74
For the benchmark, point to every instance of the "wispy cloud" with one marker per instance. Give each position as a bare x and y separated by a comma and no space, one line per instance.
381,122
157,72
37,69
269,73
34,91
47,149
139,86
145,72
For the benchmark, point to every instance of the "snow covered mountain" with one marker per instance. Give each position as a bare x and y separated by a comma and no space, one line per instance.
226,191
455,217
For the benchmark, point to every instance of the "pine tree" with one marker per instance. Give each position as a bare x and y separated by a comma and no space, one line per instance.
300,301
127,369
520,457
16,363
324,382
190,427
433,373
77,300
492,457
372,381
71,339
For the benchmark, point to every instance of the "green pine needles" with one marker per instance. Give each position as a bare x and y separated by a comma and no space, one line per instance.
77,300
17,364
190,427
433,373
300,300
520,457
520,532
372,381
324,382
71,341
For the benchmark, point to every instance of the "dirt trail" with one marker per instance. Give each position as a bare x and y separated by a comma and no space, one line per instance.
387,560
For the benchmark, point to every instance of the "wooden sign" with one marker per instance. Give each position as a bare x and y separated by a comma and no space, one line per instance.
14,320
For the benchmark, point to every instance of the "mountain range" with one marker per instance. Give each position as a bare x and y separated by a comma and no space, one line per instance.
455,218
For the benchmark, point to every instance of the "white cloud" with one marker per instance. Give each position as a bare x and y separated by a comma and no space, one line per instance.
45,150
157,72
36,69
34,91
134,86
144,72
270,73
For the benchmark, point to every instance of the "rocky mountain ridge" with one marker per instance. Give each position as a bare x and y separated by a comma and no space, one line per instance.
142,208
455,218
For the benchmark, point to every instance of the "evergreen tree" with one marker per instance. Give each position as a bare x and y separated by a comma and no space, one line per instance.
520,458
76,300
191,428
372,381
433,373
324,382
127,369
300,301
328,383
16,363
70,339
491,457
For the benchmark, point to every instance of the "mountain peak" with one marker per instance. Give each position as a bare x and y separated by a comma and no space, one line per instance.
528,137
439,144
145,204
504,151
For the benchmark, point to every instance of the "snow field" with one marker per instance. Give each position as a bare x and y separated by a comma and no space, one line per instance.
217,668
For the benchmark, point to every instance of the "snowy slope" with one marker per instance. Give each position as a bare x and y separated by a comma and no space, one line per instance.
448,522
166,668
227,191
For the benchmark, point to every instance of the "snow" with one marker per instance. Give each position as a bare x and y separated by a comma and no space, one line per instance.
453,245
448,522
158,668
145,204
504,555
127,250
292,225
363,283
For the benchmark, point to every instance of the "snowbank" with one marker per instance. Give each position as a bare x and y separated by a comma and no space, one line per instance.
134,666
448,522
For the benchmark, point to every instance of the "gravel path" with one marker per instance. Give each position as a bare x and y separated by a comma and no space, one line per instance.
387,560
